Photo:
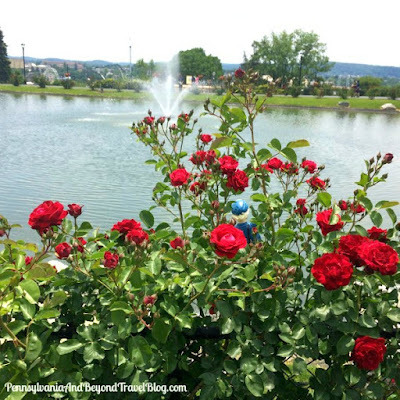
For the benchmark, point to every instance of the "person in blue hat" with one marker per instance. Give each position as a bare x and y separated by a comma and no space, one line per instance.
240,211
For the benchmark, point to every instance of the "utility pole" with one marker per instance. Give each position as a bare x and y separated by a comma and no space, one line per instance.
130,62
23,60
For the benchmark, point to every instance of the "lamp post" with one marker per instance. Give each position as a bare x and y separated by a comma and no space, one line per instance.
23,59
301,64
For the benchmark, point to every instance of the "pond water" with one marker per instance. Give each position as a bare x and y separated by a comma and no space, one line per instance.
80,150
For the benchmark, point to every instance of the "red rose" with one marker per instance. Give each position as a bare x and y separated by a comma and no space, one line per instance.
205,138
137,236
179,177
377,234
126,225
177,243
323,219
47,215
309,166
332,270
349,245
198,158
289,168
238,181
300,202
274,163
267,168
239,73
316,183
358,208
227,240
210,157
28,260
343,205
228,164
368,352
149,300
80,245
302,210
379,257
110,260
75,210
148,120
63,250
198,187
161,120
212,309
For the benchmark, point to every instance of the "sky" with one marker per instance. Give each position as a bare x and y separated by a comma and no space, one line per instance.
354,31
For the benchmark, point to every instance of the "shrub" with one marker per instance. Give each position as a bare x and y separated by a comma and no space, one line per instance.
299,303
371,93
67,83
41,81
16,78
294,91
137,86
343,93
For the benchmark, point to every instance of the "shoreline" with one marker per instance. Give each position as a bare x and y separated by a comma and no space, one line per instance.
139,96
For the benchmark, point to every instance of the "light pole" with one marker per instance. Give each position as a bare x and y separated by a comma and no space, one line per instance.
130,61
23,60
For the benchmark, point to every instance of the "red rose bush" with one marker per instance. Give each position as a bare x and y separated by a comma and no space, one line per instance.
294,295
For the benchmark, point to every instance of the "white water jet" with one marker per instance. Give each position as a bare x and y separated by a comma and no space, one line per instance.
166,93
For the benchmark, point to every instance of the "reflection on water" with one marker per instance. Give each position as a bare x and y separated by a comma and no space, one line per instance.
80,150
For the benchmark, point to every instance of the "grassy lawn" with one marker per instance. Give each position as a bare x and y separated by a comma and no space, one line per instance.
308,101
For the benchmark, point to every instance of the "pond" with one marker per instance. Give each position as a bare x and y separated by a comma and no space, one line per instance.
80,150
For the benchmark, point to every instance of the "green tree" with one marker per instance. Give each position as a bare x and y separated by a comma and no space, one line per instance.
288,56
5,70
195,62
144,70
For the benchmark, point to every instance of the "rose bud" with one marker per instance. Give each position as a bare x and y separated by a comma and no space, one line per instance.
75,210
149,300
63,250
2,232
177,243
215,204
387,158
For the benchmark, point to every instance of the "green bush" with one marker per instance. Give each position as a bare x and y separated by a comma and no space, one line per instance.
294,91
41,81
67,83
343,93
137,86
300,302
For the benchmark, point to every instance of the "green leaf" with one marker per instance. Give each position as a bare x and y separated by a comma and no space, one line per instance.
161,330
122,306
34,347
28,310
31,290
298,143
345,345
58,298
264,154
392,215
367,203
284,234
41,272
254,384
361,230
363,180
367,321
69,346
352,375
289,154
376,218
225,141
140,351
239,114
46,314
84,228
259,197
147,218
394,314
93,351
386,204
324,198
276,144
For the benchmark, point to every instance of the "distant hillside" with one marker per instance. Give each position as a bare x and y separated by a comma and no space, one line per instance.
339,68
364,69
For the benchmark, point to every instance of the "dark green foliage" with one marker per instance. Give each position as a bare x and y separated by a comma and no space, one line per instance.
195,62
5,70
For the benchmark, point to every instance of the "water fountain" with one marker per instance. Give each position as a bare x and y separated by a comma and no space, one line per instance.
165,92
